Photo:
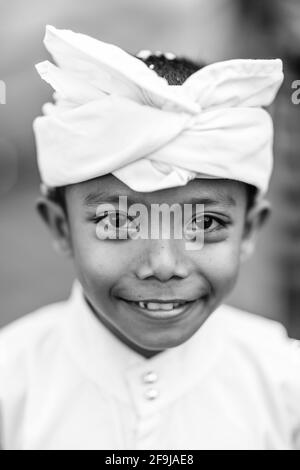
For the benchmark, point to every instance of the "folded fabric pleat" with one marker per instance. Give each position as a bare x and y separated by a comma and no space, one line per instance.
113,114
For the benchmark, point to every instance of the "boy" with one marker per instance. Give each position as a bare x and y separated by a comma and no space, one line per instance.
145,355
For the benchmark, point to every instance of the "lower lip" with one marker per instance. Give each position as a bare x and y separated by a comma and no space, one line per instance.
165,314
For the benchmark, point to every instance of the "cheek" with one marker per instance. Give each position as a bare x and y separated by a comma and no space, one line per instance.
97,261
220,265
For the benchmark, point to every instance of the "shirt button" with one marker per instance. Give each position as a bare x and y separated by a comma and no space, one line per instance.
150,377
151,394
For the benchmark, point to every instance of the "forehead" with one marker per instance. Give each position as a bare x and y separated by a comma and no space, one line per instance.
206,191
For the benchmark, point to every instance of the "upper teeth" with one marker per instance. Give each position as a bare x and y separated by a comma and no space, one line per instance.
159,305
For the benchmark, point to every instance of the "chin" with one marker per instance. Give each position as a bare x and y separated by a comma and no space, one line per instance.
165,340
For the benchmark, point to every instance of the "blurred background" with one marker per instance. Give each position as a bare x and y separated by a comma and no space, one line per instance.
31,274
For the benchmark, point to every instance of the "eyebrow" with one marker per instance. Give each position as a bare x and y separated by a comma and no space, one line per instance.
94,199
224,200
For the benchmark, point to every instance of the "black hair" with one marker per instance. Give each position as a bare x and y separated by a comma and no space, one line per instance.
251,193
175,70
57,195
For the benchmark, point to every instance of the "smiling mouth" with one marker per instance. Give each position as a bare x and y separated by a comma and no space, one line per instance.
157,305
163,309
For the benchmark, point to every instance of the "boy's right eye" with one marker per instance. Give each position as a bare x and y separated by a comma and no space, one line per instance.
116,218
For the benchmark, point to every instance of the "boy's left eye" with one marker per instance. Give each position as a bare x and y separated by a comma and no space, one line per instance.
207,223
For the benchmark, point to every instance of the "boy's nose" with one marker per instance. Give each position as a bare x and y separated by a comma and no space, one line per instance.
164,259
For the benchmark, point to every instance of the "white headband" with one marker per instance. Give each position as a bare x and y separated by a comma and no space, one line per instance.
115,115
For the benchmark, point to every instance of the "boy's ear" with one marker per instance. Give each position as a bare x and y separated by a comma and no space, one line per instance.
256,218
56,220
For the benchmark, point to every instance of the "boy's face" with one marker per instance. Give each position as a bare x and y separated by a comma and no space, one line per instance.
117,274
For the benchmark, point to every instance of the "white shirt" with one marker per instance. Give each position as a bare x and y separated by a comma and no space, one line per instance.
66,382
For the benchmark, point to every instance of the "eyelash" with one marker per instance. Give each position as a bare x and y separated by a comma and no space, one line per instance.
222,223
98,219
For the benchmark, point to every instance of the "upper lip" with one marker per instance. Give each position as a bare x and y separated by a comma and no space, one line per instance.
162,301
